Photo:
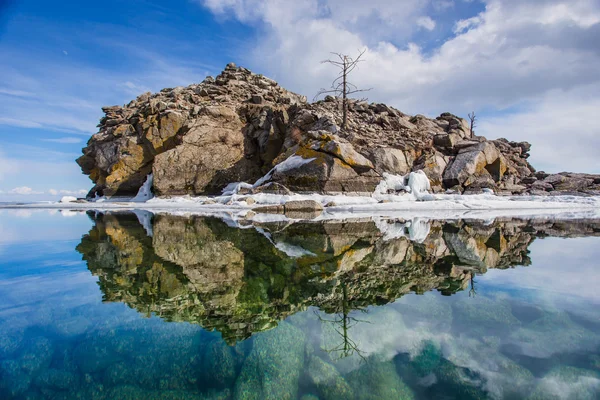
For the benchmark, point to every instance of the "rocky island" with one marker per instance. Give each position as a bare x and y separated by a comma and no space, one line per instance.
244,127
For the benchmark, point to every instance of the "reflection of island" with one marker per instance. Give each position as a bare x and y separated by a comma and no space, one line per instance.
240,280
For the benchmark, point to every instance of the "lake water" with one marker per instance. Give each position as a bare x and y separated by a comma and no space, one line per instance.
126,306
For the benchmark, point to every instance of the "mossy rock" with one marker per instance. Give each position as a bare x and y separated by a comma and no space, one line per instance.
328,381
376,380
272,369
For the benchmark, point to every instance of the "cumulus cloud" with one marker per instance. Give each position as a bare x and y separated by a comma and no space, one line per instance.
24,190
426,23
514,55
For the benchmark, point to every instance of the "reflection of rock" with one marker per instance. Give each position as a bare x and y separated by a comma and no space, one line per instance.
241,281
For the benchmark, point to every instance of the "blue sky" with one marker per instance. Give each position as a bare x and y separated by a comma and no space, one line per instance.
529,68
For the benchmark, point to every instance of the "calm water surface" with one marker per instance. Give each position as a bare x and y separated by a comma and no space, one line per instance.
126,306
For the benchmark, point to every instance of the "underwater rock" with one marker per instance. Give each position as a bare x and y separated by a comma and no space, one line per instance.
330,384
378,380
56,379
219,365
10,341
272,369
14,380
37,355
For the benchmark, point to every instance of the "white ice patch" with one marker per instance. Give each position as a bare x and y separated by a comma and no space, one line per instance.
416,184
145,192
289,163
68,199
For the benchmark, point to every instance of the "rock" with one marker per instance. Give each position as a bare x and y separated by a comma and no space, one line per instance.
473,161
271,209
272,369
273,188
542,185
378,380
328,381
388,159
238,126
326,174
447,140
302,209
211,145
10,341
303,205
343,150
56,379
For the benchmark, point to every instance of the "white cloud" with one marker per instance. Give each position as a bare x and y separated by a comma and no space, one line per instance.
426,23
519,55
22,123
24,190
18,93
64,140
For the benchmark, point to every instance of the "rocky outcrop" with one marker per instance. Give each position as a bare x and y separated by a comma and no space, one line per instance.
239,126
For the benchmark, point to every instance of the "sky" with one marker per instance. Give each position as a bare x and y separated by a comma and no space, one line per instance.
530,69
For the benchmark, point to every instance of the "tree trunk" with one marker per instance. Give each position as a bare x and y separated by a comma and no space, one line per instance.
344,92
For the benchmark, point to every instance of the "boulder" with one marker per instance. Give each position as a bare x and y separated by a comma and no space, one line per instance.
211,145
391,160
481,159
324,173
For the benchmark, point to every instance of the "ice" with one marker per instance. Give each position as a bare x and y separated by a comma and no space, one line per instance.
291,162
68,199
145,192
416,184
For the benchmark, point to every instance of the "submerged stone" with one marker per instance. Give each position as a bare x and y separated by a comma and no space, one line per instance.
272,369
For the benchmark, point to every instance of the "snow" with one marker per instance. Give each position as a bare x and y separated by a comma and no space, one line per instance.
409,200
68,199
145,192
415,183
289,163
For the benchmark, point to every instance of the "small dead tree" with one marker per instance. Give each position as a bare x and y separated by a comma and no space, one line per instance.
341,87
473,119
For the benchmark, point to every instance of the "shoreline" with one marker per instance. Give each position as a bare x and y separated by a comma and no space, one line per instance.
247,207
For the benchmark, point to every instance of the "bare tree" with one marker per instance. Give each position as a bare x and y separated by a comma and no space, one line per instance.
342,322
473,119
340,86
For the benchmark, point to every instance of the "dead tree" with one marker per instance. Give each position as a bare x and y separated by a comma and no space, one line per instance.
473,119
341,87
342,321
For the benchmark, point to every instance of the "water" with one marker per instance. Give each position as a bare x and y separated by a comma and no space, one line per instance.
126,306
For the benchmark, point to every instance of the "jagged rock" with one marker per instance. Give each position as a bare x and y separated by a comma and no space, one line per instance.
473,161
388,159
238,126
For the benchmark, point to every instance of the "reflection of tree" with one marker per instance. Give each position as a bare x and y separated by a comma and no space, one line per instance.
342,322
472,291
